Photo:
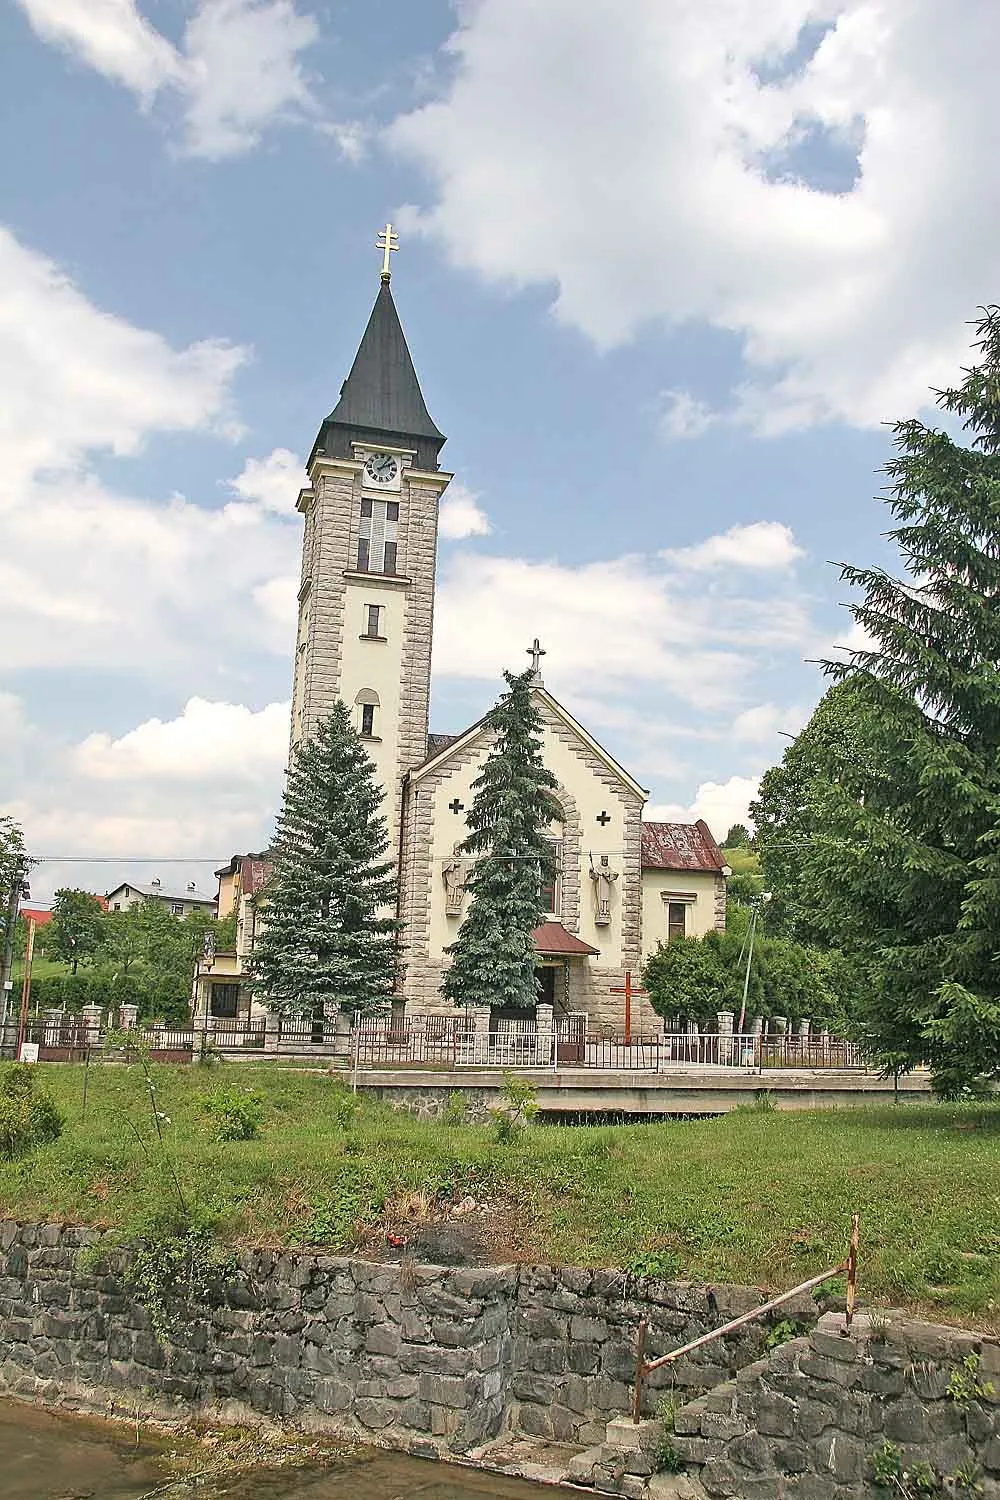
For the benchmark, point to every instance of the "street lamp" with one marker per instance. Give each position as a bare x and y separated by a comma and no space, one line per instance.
756,906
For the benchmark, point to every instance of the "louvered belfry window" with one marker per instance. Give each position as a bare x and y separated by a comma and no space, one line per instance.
377,540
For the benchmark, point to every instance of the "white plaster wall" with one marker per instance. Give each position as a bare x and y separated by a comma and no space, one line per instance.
591,797
376,665
701,914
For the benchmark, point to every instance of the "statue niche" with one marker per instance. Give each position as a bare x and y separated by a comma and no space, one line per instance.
453,873
604,879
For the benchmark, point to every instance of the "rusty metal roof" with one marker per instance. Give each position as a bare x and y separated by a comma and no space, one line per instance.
551,940
680,846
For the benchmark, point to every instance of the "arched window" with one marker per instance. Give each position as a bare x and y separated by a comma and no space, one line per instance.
367,702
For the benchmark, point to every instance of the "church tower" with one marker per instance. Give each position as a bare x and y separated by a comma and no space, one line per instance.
366,597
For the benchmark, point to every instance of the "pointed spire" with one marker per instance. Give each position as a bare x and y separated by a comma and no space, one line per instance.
381,398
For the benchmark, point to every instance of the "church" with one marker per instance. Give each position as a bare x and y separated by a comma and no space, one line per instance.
365,629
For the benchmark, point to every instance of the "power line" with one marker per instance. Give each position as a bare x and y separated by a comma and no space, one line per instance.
124,859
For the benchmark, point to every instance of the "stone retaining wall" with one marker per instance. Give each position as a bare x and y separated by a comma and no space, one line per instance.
423,1357
809,1420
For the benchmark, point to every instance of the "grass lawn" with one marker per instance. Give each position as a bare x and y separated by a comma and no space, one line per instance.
754,1197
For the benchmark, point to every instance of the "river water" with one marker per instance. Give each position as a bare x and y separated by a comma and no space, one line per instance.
45,1456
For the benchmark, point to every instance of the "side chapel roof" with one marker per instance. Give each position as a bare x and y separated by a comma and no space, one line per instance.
680,846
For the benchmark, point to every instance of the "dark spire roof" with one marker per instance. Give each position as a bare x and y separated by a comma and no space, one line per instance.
380,400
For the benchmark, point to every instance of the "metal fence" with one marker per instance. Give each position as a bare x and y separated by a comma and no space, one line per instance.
390,1041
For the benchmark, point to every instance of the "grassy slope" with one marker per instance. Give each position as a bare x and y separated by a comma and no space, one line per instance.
742,861
753,1197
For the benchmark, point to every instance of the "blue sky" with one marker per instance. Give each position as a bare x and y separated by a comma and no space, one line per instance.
666,272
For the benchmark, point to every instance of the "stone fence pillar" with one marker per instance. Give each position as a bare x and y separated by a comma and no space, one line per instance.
805,1026
779,1025
92,1015
480,1016
417,1039
545,1037
53,1026
272,1031
128,1016
725,1019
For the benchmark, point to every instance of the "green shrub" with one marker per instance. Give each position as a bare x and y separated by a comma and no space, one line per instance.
237,1112
456,1110
517,1107
28,1115
344,1105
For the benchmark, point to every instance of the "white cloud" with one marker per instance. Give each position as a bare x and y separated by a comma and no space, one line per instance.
238,72
685,416
75,379
647,161
244,72
630,626
761,544
460,515
273,482
721,804
112,37
207,742
112,578
766,721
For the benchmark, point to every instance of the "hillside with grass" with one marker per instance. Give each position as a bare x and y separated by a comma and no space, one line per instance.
755,1196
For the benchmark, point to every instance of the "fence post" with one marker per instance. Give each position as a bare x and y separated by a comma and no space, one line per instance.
272,1031
92,1024
481,1033
725,1019
417,1038
544,1038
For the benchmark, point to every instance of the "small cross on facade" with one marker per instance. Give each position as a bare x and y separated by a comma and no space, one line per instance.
603,819
456,806
536,651
387,242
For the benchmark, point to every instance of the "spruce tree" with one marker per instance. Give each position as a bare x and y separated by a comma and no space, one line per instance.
493,957
329,930
903,862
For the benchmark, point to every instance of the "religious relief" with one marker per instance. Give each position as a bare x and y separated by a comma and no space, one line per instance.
604,885
453,875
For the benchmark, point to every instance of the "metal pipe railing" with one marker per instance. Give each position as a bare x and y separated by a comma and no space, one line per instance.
849,1265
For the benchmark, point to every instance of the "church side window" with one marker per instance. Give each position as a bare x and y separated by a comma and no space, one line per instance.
378,537
550,893
373,611
676,920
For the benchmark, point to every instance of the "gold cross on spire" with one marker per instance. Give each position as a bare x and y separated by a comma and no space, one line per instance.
387,242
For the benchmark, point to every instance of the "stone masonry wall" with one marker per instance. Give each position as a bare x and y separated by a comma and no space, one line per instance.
807,1421
426,1358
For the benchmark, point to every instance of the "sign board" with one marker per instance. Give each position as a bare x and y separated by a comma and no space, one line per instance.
8,984
29,1052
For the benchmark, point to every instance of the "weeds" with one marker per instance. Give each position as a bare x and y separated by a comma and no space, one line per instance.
238,1112
29,1116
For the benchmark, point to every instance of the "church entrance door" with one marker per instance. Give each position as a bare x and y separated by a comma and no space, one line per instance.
546,977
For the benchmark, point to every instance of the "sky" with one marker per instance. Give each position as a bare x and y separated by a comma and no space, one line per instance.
669,270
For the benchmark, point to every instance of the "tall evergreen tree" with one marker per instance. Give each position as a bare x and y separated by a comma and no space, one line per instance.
329,930
493,958
903,864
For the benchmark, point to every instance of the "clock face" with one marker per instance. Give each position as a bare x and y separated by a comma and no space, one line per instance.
381,468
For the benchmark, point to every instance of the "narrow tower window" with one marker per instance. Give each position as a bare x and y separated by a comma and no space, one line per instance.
374,613
366,703
377,539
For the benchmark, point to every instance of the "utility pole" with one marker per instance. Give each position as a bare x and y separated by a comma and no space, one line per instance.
18,888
